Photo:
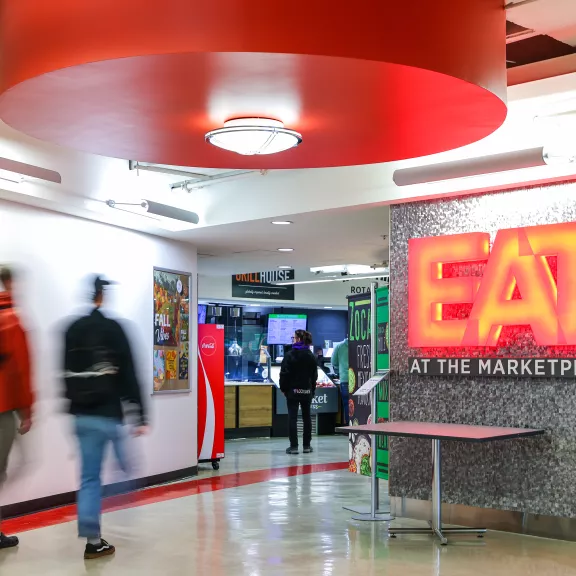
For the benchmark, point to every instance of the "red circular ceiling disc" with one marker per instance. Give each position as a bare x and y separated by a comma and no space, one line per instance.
371,82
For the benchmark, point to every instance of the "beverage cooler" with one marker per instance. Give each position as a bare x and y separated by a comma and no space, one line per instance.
211,394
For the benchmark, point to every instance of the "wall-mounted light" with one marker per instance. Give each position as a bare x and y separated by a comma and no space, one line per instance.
15,172
173,218
470,167
253,136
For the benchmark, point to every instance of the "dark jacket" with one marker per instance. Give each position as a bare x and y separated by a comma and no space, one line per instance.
299,373
99,370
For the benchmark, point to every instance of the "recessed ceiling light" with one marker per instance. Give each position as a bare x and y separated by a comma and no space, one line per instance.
328,307
285,267
282,222
252,136
285,249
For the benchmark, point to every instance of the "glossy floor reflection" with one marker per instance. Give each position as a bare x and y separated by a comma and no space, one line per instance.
286,526
265,453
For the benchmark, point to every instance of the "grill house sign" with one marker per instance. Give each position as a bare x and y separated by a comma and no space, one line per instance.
463,296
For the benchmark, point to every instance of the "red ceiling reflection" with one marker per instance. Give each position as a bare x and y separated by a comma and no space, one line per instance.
363,83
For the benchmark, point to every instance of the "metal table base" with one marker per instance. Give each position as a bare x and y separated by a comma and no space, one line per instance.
366,514
435,525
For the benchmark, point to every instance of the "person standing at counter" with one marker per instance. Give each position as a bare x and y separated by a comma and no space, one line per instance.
340,367
298,377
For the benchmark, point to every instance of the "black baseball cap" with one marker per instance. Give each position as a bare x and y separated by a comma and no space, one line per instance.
99,283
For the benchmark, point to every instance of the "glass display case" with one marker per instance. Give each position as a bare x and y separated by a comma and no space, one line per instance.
247,356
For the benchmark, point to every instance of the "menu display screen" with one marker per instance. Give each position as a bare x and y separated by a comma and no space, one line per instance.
281,327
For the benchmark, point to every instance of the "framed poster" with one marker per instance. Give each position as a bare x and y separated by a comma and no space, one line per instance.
171,331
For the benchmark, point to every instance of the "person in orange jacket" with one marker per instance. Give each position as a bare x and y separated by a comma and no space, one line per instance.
16,396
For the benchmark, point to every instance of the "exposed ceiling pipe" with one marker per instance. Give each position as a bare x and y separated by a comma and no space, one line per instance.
194,179
523,35
511,5
135,165
383,277
218,179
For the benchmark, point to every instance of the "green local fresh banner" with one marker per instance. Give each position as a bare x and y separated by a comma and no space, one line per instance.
360,370
383,404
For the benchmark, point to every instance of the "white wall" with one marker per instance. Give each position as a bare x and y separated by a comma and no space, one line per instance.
219,289
58,253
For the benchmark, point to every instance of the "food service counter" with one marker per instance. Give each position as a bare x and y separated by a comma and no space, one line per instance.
247,409
257,409
325,406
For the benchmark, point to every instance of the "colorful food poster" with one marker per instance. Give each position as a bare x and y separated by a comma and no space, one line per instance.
383,397
360,370
171,364
159,369
171,330
184,361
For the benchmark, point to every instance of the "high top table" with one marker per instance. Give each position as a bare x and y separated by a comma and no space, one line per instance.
438,432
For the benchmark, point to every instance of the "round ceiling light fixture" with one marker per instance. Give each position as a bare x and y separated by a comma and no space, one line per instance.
253,136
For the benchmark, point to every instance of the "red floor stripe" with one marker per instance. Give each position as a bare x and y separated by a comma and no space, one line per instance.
167,492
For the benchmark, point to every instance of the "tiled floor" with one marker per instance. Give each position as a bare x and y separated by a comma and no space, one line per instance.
286,526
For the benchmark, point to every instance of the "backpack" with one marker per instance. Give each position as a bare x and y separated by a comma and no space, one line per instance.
91,371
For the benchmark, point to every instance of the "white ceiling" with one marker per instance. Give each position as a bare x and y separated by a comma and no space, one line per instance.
339,213
352,236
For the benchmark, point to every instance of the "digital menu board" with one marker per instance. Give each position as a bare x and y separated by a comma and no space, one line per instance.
281,327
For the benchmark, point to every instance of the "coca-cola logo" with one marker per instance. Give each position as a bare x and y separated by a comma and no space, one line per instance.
208,346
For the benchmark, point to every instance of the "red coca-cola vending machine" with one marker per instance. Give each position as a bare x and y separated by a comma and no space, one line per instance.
211,394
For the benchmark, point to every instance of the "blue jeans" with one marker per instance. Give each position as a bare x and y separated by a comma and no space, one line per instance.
94,434
345,398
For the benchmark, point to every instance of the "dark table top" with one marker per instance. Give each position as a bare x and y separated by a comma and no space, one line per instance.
434,430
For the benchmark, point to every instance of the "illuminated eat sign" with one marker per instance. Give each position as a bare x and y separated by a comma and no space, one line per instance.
519,261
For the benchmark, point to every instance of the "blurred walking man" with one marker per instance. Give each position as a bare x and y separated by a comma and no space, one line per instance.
16,397
99,376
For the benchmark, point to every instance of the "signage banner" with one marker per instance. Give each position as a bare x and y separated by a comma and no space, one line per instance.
503,367
263,285
171,331
325,401
461,293
210,391
383,398
360,371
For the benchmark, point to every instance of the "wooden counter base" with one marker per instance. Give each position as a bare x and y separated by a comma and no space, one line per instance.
247,408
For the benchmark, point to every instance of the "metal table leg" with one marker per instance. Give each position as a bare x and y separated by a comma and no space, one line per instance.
435,525
373,514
